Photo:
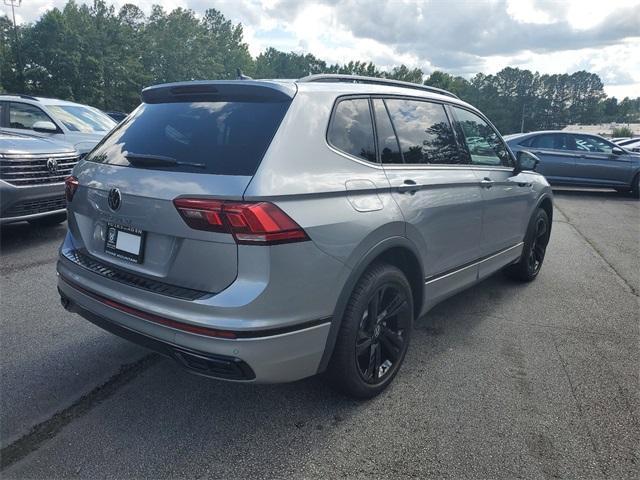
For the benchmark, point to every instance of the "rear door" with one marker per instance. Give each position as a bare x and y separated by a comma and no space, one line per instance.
557,161
440,197
200,146
507,197
596,163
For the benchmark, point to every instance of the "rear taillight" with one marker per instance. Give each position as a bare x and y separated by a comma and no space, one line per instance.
70,187
259,223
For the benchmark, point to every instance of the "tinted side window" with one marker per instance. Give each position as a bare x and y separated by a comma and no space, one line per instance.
351,129
387,141
23,115
483,143
424,132
550,141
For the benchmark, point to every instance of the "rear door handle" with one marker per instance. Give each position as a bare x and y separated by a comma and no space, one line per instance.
409,186
486,182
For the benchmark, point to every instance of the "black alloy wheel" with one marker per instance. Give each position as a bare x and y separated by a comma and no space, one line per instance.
380,343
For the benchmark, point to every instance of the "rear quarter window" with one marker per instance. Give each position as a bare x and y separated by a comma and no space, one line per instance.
351,129
223,138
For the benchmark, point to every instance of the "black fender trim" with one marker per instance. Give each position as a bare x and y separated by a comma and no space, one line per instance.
345,294
542,198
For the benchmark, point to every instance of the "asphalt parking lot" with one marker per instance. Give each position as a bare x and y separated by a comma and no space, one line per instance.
502,381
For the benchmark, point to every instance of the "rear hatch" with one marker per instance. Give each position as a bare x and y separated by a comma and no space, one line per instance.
195,140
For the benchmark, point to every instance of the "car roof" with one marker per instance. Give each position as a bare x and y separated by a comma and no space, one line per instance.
289,87
38,100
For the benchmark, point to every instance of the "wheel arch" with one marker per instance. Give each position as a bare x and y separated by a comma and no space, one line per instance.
397,251
547,205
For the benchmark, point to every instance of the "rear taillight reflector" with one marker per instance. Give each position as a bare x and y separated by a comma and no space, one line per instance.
260,223
70,187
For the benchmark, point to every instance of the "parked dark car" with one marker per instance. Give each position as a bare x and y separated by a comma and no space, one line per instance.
581,159
32,175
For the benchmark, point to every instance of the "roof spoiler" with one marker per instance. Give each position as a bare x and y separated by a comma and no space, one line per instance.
219,90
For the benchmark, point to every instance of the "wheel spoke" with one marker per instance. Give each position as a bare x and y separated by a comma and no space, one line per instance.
374,307
371,367
395,306
392,343
361,347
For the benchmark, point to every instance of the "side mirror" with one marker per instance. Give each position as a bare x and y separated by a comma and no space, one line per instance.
44,126
617,151
525,161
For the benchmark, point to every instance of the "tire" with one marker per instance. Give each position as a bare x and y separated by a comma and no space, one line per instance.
49,220
534,249
635,187
368,354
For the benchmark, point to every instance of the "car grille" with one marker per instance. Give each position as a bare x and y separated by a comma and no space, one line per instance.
37,169
32,207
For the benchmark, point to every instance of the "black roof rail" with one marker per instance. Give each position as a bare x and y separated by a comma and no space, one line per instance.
21,95
336,78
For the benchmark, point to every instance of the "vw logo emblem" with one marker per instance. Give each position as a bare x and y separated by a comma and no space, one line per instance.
114,199
52,165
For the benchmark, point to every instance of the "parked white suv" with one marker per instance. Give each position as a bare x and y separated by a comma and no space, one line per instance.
79,125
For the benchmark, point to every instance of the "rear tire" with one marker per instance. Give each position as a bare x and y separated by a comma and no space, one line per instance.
49,220
374,334
534,249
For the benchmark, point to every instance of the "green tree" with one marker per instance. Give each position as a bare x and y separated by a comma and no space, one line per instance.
405,74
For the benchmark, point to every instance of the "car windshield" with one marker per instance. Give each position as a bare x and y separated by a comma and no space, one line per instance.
82,119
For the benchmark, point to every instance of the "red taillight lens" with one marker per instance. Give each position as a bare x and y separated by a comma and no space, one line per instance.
260,223
70,187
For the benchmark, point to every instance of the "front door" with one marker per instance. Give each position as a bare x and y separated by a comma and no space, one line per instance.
597,164
507,197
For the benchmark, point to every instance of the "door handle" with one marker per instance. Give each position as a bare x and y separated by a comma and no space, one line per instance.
408,186
486,182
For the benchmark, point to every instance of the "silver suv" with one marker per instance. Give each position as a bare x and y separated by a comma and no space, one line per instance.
80,125
32,175
272,230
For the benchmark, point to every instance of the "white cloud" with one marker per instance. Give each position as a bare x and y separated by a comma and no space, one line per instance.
462,37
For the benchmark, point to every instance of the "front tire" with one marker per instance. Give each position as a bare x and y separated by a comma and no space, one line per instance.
374,334
635,187
534,249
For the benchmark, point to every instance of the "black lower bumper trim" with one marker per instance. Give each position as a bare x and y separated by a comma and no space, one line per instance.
210,365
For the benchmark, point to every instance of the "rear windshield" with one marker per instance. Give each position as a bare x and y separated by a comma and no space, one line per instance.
222,138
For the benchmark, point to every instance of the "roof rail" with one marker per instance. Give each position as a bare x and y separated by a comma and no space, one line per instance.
21,95
336,78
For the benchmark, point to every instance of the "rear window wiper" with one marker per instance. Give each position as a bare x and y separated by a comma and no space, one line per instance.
150,160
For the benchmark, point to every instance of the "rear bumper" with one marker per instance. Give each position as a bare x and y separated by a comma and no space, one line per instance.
281,357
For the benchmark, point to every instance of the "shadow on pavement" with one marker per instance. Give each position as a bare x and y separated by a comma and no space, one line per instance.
18,236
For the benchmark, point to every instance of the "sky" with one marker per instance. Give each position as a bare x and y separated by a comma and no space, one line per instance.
459,37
